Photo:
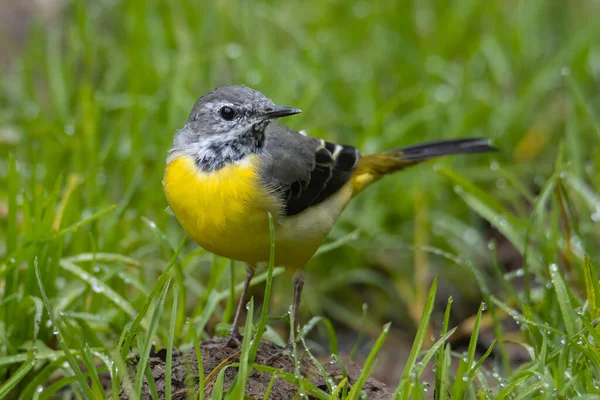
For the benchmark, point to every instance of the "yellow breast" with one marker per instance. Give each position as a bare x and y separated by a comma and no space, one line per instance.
225,211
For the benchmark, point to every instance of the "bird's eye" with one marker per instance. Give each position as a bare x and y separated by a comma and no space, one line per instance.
227,113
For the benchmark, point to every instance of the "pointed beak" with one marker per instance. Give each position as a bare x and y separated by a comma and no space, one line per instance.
279,112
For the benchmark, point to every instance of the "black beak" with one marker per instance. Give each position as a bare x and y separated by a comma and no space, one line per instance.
278,112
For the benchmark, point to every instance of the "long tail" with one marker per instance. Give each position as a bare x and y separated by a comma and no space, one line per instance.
372,167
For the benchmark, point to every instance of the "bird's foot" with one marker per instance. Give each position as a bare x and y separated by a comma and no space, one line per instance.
235,339
284,351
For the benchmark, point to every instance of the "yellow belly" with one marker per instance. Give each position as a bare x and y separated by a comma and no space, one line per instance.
226,212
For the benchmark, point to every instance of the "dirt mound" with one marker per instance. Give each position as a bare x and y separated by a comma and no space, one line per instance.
216,354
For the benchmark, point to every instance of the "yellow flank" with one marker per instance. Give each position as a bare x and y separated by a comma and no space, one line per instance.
225,212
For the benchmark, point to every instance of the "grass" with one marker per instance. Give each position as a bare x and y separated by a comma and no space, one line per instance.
87,113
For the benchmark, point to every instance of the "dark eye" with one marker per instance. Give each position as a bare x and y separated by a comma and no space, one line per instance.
227,113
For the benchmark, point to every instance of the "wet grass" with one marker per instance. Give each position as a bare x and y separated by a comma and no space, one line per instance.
91,269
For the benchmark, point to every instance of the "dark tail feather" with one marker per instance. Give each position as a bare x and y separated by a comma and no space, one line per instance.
425,151
372,167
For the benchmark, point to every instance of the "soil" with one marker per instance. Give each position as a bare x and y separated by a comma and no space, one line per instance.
216,354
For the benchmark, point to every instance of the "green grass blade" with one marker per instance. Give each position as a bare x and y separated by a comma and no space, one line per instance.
83,222
355,392
309,326
198,351
417,344
12,186
217,393
99,286
170,340
238,390
12,279
490,209
270,386
291,378
564,302
18,375
61,341
264,315
230,307
320,367
433,351
104,257
592,288
442,353
162,279
147,343
88,359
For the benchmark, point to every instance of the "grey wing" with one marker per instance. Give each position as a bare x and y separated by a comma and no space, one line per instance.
302,170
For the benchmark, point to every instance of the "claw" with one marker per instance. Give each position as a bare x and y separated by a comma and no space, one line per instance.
284,351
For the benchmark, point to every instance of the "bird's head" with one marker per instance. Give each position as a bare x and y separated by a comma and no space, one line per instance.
226,125
234,111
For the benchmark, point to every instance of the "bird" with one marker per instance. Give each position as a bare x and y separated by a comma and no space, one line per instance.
232,164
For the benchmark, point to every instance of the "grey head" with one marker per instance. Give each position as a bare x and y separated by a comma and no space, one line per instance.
225,125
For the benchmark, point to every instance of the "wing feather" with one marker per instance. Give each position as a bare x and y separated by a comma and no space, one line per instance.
304,171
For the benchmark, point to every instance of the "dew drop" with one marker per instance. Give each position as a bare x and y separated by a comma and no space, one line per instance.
233,50
332,359
96,287
362,9
464,378
483,306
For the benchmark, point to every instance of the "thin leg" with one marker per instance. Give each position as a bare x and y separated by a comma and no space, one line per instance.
234,333
298,285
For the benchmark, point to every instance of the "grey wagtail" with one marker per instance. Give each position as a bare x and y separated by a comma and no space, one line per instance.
231,165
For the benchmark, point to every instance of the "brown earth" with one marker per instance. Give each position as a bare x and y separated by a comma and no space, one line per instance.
216,354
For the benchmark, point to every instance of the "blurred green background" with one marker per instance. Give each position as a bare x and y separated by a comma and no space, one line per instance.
92,93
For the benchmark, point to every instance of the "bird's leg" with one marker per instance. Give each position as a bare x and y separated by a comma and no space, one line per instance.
298,285
234,333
